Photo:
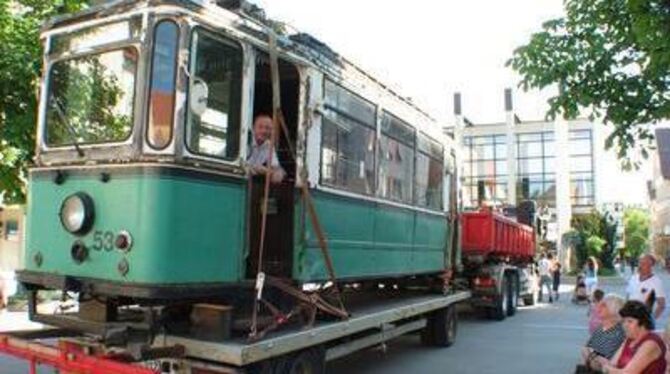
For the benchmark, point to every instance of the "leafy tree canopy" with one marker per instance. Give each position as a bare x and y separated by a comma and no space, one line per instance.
20,69
636,232
609,58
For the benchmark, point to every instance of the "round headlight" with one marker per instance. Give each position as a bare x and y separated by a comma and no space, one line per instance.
76,213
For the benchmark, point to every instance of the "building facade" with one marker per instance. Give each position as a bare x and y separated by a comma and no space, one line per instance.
554,163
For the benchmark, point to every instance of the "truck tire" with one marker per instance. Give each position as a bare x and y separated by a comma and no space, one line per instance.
309,361
499,311
513,294
441,328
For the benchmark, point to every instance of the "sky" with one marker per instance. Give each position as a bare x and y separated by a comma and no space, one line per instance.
428,50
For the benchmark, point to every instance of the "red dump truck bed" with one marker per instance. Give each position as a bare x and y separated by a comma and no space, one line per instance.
487,233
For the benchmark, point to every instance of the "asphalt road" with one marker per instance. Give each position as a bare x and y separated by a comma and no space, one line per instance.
545,338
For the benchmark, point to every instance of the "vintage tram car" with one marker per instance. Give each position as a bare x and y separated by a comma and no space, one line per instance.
140,192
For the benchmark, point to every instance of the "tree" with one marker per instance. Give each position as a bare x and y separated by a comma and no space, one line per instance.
20,69
636,232
610,58
592,231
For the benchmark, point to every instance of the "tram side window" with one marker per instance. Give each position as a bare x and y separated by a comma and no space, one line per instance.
216,69
348,142
428,177
396,159
163,77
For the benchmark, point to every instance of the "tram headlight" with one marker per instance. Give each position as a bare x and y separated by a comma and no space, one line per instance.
77,213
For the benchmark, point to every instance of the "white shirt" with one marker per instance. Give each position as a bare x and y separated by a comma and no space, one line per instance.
640,290
544,266
259,155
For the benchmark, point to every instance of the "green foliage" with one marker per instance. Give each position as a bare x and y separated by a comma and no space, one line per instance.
610,58
636,232
20,69
591,238
594,245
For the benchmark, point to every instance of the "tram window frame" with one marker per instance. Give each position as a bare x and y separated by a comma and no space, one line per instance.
221,40
175,67
99,51
339,117
431,150
394,133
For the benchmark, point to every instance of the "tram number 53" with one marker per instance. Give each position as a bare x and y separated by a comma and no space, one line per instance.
103,240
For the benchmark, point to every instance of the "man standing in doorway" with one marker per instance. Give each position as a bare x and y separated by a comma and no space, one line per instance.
647,287
261,160
544,268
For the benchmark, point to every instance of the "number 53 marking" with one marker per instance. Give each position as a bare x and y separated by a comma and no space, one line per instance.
103,240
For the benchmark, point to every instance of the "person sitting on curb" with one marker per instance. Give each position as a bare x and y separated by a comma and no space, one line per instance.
608,336
643,351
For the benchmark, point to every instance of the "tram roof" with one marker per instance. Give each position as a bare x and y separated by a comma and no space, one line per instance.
251,21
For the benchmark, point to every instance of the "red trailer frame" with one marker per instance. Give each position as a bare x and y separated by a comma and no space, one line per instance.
66,356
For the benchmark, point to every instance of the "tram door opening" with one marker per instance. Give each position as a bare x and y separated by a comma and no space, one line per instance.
278,251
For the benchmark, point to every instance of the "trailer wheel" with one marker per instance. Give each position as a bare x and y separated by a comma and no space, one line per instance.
263,367
513,295
441,328
310,361
499,311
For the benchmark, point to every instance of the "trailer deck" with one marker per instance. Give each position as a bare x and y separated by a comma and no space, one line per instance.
373,321
382,320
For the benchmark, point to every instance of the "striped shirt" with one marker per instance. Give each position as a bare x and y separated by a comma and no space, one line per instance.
606,342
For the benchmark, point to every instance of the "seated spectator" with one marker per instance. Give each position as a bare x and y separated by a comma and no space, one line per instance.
643,351
608,336
580,294
594,317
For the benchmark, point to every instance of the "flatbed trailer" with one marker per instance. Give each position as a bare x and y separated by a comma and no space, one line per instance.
373,322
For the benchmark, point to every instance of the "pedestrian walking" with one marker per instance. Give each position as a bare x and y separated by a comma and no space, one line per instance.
591,274
556,277
545,276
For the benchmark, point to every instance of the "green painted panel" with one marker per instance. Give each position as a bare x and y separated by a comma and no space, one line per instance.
430,238
369,239
184,230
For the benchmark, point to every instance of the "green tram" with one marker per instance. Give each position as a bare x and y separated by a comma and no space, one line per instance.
140,190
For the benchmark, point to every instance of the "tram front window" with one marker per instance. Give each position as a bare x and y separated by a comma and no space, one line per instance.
213,121
90,98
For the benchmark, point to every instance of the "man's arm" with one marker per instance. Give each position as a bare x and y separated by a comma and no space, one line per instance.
660,297
660,307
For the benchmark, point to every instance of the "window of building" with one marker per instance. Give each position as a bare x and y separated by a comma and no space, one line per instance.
582,191
12,230
396,159
535,167
216,64
486,161
348,141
